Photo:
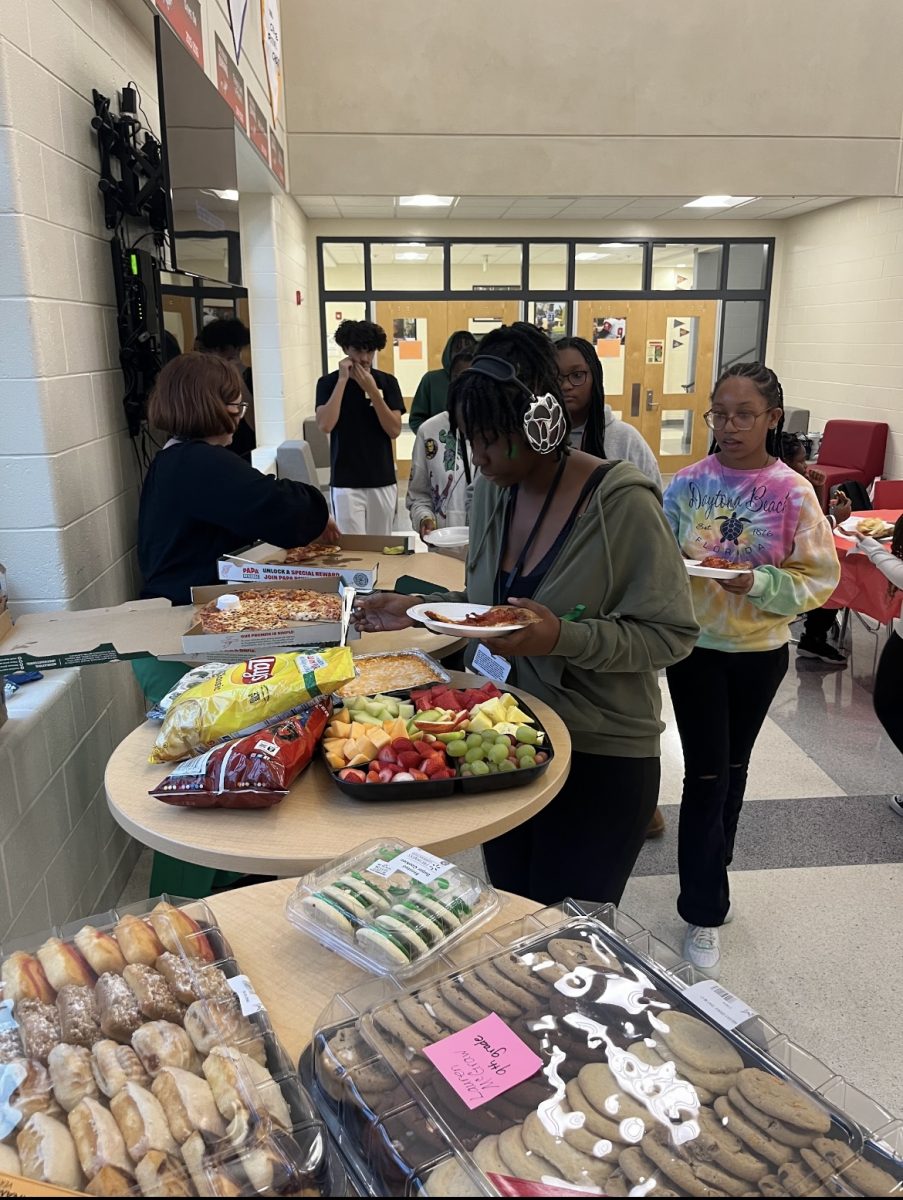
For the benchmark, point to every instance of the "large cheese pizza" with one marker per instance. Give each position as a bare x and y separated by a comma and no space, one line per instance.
274,609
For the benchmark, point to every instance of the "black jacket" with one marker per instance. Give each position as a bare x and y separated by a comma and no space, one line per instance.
200,502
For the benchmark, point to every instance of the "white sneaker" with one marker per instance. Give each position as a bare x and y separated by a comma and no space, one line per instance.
702,947
729,915
895,804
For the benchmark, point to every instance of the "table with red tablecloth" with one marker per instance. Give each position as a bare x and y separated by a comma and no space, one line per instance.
862,586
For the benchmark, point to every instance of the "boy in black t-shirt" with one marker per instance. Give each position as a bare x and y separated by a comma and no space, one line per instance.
361,411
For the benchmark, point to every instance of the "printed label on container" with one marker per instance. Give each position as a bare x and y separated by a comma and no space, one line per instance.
419,864
310,662
726,1009
193,766
248,999
491,666
483,1060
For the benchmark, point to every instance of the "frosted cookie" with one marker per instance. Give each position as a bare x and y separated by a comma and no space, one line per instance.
778,1099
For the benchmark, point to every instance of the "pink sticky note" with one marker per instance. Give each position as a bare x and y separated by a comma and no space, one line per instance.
483,1060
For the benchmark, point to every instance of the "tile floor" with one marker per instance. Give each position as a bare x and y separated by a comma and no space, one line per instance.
817,944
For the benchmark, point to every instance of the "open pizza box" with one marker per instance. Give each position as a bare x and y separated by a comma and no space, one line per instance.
198,646
353,565
49,641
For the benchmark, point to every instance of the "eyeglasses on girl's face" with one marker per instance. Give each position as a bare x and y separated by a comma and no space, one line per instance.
741,421
573,379
238,408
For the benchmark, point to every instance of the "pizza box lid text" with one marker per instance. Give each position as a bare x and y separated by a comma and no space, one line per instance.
211,647
263,562
49,641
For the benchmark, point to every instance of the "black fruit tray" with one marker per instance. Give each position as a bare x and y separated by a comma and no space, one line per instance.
469,785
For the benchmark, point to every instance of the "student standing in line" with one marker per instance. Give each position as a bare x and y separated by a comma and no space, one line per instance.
888,706
818,623
431,397
441,470
226,337
361,409
740,503
594,427
585,546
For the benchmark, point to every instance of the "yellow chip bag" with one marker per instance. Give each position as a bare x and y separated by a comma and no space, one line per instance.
244,696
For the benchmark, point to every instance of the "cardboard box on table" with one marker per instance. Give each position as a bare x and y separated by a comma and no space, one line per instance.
263,563
153,628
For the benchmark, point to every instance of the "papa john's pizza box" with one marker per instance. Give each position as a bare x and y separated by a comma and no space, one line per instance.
48,641
198,646
353,565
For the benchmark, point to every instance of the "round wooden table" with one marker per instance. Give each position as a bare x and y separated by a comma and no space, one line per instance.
293,975
445,572
316,822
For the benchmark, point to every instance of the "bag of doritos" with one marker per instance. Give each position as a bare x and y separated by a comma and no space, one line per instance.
254,771
247,696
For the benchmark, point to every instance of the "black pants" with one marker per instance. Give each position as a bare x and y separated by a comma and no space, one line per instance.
818,623
720,703
585,842
889,689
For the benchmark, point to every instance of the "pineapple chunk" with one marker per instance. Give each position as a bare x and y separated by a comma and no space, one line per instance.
480,723
379,738
359,760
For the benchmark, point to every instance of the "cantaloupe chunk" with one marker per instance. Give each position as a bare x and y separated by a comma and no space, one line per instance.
380,738
357,730
340,729
333,745
366,747
359,760
349,748
336,761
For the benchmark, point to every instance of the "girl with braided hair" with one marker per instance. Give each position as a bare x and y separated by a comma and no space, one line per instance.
744,504
585,546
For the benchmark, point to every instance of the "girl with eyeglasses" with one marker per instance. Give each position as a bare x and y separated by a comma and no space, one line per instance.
594,427
743,504
585,546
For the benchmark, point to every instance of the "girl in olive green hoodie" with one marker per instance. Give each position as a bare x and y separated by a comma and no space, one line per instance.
554,530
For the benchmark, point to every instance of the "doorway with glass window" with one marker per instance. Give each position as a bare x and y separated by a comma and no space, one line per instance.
658,362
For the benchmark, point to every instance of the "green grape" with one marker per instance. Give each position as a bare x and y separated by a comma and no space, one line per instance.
480,767
474,739
525,752
526,735
498,754
475,754
493,768
456,749
507,766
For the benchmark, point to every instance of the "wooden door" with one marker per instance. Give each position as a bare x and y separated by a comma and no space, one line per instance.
481,316
417,332
617,329
677,379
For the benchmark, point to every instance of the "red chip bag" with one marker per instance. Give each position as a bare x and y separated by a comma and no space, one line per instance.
254,771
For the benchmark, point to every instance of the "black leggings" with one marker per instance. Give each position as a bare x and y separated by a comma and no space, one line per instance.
888,689
585,842
720,703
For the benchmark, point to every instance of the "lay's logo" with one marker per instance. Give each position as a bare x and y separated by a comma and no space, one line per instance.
258,669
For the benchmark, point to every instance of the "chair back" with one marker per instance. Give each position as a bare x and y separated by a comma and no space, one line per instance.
888,493
858,446
294,460
318,442
796,420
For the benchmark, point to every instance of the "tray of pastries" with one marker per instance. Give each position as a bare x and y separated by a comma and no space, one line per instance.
637,1090
135,1059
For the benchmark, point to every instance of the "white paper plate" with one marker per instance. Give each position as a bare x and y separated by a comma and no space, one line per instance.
852,523
458,611
694,568
452,535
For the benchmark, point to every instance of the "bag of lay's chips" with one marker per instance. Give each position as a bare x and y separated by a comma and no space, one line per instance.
247,696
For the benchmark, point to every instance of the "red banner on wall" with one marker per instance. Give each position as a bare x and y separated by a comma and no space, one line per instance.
258,128
185,18
277,159
230,83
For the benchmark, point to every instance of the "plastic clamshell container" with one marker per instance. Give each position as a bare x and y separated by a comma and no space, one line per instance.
414,658
397,922
437,790
600,1023
260,1132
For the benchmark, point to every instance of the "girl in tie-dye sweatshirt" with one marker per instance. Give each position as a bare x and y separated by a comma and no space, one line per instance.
740,503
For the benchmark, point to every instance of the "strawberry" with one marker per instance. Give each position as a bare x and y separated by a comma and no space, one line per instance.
386,755
402,745
409,758
419,776
433,765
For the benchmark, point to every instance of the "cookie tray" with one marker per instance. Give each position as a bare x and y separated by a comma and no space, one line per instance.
403,1131
267,1137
